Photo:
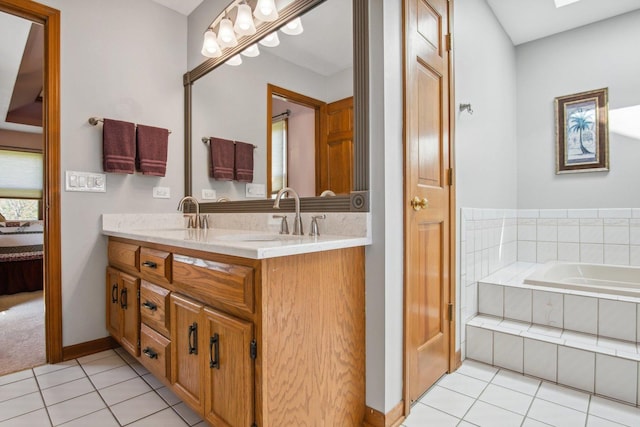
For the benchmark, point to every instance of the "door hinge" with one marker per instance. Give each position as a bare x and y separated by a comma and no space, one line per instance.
449,42
138,342
138,293
253,349
450,176
254,425
450,311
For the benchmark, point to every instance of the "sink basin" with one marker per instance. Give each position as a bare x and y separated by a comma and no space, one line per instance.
257,237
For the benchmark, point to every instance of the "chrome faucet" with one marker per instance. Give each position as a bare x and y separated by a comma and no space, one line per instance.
297,221
194,222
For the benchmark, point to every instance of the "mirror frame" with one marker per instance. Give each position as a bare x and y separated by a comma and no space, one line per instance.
358,199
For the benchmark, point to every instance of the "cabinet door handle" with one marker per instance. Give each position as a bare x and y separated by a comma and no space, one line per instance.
123,298
150,353
214,348
193,338
114,293
150,264
150,306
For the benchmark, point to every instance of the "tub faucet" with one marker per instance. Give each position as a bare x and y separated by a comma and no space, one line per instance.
194,222
297,221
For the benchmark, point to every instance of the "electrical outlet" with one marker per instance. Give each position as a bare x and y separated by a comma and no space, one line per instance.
255,190
208,194
161,192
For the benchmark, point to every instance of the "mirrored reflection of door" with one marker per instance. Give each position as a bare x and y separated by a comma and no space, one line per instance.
279,146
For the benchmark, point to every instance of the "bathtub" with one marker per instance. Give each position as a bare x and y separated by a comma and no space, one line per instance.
607,279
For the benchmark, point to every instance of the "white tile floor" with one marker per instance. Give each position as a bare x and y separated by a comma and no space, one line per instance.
112,389
101,390
481,395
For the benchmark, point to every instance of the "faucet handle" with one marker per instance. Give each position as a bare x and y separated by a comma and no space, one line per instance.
284,225
204,221
314,225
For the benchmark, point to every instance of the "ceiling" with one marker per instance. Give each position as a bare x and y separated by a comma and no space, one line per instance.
184,7
527,20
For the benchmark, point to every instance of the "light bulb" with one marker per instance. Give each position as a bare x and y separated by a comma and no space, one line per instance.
234,60
270,40
266,11
251,51
210,46
244,25
293,27
226,36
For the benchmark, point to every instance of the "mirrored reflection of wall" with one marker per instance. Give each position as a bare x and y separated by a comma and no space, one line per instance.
231,103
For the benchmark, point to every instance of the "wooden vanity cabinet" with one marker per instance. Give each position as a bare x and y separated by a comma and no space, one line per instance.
245,342
123,314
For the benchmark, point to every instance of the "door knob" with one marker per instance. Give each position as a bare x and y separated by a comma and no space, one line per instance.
417,203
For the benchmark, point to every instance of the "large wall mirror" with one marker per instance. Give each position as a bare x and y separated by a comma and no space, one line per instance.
306,81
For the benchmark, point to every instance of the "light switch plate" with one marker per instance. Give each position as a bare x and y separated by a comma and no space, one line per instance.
161,192
85,181
255,190
208,194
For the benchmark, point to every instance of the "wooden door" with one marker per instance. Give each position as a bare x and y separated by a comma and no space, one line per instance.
130,306
335,155
229,384
114,320
186,350
427,195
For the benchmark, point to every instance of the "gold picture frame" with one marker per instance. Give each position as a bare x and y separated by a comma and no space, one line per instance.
582,132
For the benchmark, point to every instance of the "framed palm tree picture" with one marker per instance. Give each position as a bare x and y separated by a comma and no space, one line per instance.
582,134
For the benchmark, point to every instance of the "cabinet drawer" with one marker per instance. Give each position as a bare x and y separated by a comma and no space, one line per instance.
154,307
226,283
155,265
124,255
155,352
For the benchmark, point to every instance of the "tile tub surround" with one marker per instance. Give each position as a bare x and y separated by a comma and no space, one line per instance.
491,239
341,230
584,340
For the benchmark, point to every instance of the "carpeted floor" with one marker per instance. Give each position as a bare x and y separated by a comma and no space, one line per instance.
22,343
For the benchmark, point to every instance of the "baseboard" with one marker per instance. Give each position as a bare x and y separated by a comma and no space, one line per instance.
89,347
394,417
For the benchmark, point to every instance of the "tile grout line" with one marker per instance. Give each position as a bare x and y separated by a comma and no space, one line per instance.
44,402
98,392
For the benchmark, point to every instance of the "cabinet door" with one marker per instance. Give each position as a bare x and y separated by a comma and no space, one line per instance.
114,320
187,350
229,367
130,306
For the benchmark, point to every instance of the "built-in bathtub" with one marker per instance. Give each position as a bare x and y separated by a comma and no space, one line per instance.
600,278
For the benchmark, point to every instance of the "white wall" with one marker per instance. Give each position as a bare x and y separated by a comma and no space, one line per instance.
591,57
123,60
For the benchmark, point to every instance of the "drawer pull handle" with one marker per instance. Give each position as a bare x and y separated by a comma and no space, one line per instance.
114,293
123,298
214,348
150,306
150,353
193,338
150,264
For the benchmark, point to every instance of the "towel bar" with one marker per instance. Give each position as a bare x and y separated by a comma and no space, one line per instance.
93,121
206,139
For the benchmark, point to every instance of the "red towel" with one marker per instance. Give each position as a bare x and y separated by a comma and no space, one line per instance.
151,150
244,162
221,159
118,146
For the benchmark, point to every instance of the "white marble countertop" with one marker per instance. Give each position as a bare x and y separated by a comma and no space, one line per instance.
257,243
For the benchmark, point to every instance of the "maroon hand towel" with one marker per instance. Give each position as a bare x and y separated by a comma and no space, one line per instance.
151,150
244,162
222,155
118,146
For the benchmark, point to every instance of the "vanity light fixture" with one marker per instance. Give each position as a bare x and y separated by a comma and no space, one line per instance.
235,60
244,25
266,11
251,51
210,47
226,35
270,40
293,27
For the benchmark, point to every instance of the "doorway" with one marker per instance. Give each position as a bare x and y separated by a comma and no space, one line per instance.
429,195
50,20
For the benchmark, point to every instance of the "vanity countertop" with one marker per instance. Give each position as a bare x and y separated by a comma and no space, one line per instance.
254,244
